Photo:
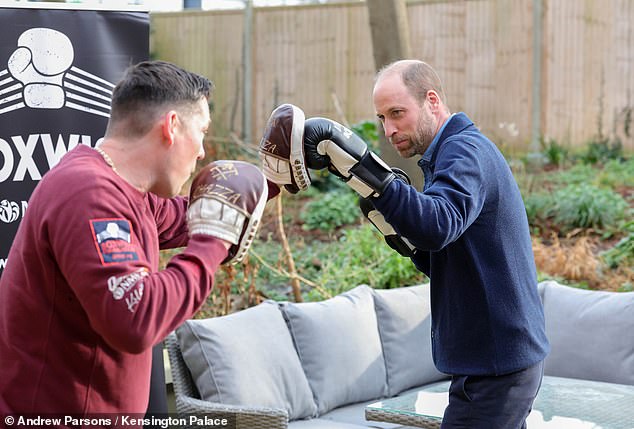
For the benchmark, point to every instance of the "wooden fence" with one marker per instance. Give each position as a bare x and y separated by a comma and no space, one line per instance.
579,86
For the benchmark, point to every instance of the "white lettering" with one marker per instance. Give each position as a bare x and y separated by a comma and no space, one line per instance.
7,155
23,152
53,155
134,298
38,421
3,263
26,158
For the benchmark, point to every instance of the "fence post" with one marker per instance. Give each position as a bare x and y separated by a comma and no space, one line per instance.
536,113
247,96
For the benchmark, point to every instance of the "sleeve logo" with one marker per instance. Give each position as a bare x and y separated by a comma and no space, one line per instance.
112,238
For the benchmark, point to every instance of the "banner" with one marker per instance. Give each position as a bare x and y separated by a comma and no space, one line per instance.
58,68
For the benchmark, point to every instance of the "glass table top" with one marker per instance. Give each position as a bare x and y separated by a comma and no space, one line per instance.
561,403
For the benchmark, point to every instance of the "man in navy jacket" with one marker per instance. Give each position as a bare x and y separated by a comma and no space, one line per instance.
467,231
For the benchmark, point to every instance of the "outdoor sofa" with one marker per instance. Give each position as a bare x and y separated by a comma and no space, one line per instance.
317,365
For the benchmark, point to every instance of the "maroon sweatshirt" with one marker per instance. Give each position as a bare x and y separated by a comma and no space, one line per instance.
81,299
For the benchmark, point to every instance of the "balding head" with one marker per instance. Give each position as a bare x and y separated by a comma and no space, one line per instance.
417,76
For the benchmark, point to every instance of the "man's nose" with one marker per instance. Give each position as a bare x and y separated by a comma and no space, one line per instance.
389,128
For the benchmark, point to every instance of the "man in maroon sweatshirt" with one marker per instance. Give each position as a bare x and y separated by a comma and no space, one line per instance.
82,301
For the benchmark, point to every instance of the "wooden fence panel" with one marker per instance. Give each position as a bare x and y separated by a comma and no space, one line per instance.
319,57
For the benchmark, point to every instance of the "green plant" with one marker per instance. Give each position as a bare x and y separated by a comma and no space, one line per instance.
368,131
553,152
576,175
331,210
617,173
602,150
588,206
623,252
540,208
361,256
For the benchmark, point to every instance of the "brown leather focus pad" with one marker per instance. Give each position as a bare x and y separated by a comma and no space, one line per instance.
235,182
283,145
240,185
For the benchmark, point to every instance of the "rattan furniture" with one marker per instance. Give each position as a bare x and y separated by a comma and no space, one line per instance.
188,401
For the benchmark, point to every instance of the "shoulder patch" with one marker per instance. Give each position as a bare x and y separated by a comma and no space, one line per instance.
113,239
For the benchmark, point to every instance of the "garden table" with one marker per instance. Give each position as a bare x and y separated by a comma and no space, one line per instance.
561,403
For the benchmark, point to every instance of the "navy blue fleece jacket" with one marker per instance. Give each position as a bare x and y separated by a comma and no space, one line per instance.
470,229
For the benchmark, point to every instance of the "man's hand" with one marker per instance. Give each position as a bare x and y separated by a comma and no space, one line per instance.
226,201
330,144
282,149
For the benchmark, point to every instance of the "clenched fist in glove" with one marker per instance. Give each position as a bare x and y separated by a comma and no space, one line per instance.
282,150
330,144
395,241
226,201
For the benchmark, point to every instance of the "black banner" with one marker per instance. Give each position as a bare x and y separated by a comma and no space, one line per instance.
58,68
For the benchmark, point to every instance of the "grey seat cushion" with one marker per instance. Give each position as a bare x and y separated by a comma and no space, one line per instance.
588,333
404,318
339,347
247,358
354,414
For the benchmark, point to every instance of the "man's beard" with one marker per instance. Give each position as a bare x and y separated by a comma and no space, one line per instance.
422,138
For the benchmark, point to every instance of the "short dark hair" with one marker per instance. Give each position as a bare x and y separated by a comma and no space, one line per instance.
147,88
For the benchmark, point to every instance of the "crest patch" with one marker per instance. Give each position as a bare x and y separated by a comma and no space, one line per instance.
113,239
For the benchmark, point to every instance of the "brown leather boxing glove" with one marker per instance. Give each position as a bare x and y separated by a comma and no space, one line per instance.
226,200
282,149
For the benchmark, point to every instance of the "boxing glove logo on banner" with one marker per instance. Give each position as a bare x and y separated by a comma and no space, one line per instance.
40,75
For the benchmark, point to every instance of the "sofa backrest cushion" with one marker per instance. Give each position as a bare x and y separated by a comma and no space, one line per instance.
339,347
404,318
590,333
247,358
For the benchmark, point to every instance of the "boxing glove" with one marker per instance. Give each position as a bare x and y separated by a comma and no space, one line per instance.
328,144
41,66
226,200
281,149
395,241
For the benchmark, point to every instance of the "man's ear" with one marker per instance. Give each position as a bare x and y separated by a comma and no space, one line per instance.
170,123
433,99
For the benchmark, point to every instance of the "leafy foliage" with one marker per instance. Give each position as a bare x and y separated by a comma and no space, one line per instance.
360,256
602,150
623,252
553,152
368,131
331,210
576,206
588,206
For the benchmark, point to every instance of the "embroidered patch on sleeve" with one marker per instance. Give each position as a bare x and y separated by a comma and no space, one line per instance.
113,240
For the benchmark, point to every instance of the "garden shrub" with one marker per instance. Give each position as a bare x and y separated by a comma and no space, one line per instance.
602,150
588,206
331,210
553,152
361,256
622,253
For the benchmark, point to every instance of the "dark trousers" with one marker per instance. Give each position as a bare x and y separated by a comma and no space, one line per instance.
157,404
492,402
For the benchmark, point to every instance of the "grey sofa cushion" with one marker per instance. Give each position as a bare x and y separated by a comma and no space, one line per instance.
247,358
338,345
586,333
404,318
